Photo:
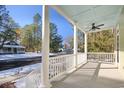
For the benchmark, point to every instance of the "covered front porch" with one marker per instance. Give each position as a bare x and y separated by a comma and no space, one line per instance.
79,69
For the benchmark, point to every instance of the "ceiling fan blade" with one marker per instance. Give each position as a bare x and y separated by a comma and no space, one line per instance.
95,27
98,28
100,25
90,29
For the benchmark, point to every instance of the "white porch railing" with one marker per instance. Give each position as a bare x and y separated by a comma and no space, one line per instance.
65,63
81,59
101,57
58,66
61,65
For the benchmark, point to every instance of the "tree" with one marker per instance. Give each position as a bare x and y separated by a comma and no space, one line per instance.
27,38
70,41
80,41
55,39
101,41
29,41
16,28
37,19
37,31
97,42
31,36
7,27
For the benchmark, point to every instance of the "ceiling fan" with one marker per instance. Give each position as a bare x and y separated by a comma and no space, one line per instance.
94,27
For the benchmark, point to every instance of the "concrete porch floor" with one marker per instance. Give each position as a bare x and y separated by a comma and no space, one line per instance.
92,75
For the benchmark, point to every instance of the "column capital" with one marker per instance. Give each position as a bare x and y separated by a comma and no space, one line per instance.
85,32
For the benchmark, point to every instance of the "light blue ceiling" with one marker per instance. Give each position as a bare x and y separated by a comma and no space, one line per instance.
85,15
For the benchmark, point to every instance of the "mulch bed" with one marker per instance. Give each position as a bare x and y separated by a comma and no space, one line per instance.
8,85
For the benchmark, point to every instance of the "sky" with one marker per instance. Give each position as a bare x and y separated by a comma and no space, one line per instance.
23,15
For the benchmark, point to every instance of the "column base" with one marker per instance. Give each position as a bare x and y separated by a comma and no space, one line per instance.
45,86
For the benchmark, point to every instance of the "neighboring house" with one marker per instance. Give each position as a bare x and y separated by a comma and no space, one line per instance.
12,47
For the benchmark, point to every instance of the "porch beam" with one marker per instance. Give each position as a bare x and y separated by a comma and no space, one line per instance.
45,48
75,46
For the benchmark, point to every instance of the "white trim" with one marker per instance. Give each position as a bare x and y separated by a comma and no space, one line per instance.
85,43
75,45
85,47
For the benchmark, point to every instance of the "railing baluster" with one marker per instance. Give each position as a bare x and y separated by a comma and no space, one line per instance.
101,57
60,64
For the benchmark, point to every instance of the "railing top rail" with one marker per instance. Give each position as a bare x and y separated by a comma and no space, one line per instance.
81,53
59,56
100,53
67,55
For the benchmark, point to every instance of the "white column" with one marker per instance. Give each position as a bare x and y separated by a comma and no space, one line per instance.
85,48
75,46
115,48
45,48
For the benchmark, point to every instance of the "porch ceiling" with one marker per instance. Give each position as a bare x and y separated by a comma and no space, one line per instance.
85,15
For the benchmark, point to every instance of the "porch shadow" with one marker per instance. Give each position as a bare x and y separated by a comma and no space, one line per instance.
95,75
88,76
67,75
